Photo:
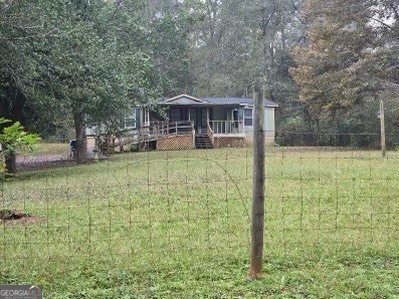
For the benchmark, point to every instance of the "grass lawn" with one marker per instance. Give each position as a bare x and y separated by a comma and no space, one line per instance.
176,225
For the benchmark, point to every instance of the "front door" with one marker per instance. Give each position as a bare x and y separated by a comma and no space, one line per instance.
200,118
203,120
194,118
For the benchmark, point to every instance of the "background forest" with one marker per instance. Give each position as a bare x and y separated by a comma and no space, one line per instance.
327,63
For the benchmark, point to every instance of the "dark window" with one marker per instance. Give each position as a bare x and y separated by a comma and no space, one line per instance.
175,114
248,122
248,117
248,113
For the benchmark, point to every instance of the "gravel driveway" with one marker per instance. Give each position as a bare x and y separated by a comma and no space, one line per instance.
43,161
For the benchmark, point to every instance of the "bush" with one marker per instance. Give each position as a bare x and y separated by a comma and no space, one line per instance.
12,140
2,166
134,148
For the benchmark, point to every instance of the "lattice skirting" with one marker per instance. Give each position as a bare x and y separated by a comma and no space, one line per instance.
229,141
176,143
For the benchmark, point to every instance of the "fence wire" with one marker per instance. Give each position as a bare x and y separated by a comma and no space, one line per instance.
161,207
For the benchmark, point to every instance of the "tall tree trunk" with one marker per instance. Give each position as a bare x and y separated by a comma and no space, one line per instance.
283,38
81,155
340,138
318,131
308,140
11,164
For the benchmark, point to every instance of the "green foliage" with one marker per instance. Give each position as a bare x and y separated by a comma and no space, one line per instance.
96,59
93,73
72,57
169,28
14,138
2,165
2,162
237,43
22,33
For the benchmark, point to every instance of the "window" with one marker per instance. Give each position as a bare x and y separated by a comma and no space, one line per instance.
248,117
130,120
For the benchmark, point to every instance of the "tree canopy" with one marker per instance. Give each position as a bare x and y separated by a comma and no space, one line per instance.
349,56
82,61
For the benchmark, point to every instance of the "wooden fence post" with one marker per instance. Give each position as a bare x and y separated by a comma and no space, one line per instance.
382,121
258,186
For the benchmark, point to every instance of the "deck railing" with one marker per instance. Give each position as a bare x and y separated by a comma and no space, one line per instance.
171,128
209,132
107,143
226,127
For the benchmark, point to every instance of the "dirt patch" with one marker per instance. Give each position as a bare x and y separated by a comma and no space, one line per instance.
18,217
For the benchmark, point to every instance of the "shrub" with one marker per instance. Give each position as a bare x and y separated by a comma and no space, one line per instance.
12,139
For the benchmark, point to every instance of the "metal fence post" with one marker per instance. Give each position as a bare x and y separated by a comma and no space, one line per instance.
258,186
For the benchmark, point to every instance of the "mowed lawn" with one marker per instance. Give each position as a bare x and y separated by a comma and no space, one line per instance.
176,225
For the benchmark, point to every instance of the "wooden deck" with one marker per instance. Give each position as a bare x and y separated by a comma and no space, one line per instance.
170,136
141,137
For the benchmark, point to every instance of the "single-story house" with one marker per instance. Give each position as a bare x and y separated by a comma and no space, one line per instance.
191,122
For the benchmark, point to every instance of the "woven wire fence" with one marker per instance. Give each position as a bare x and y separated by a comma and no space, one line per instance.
324,195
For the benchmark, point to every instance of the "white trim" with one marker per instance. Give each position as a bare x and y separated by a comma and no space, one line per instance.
184,96
146,117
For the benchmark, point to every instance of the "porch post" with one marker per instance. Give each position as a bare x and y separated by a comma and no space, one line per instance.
207,118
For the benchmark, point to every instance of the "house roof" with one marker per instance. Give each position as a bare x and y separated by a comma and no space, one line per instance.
187,100
183,98
239,101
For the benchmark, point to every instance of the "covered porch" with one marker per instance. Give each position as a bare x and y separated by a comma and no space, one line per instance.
213,127
219,120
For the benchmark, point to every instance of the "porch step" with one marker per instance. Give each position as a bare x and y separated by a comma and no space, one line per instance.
203,141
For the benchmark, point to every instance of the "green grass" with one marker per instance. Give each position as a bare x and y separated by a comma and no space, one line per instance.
176,225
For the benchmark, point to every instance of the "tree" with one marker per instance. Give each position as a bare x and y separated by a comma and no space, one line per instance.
350,53
169,26
25,32
238,42
97,74
92,67
12,139
22,34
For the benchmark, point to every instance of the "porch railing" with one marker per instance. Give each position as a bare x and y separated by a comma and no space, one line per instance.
107,143
226,126
171,128
209,132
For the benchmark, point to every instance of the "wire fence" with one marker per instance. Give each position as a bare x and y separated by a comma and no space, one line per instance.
156,208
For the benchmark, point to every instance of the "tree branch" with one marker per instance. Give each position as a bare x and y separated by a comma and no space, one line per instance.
381,22
395,10
48,34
